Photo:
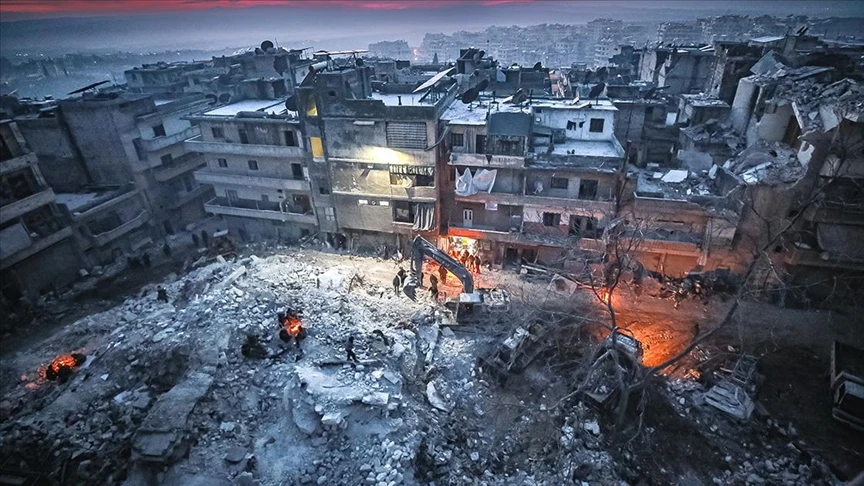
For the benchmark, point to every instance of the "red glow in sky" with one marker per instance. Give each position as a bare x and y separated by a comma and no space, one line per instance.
102,7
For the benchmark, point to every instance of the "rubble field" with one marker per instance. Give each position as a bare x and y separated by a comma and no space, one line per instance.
165,395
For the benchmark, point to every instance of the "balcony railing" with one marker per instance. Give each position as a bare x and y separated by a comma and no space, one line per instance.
109,236
258,209
178,166
35,247
481,160
16,163
159,143
248,150
184,199
24,206
223,179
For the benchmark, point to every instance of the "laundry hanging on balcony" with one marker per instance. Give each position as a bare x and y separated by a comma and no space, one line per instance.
424,217
468,184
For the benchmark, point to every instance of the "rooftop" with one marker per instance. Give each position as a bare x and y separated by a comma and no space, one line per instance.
406,99
588,148
270,107
74,200
704,100
459,113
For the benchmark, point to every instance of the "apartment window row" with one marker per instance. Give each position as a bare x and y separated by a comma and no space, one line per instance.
289,137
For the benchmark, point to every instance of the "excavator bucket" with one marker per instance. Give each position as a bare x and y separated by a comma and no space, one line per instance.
410,290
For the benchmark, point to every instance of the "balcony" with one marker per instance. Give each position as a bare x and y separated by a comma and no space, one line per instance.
480,160
104,206
17,163
184,199
103,239
794,255
159,143
257,209
35,247
179,166
225,179
246,150
24,206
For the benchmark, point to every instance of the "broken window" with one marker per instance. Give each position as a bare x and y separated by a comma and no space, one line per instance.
406,135
480,144
403,212
244,136
297,172
323,190
167,159
551,219
290,138
559,183
217,132
584,227
588,189
412,175
596,125
222,162
187,184
158,130
457,139
253,165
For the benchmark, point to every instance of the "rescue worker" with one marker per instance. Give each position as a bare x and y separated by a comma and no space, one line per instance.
166,250
195,240
433,291
161,294
402,276
433,280
349,351
205,238
397,284
477,264
442,274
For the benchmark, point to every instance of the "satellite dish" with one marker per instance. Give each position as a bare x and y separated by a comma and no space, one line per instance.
291,103
224,98
538,66
482,85
433,80
517,98
266,45
596,91
470,95
87,88
482,53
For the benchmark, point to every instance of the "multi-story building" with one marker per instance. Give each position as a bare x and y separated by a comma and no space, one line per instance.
680,33
374,154
257,162
392,50
37,251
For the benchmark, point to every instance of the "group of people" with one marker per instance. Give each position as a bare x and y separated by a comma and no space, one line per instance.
468,260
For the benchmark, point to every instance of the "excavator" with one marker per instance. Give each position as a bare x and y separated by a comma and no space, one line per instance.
472,304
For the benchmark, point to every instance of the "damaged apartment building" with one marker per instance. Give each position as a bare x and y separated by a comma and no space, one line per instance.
37,251
118,164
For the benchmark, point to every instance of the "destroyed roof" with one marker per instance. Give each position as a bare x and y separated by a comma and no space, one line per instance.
772,69
820,107
702,99
684,185
766,163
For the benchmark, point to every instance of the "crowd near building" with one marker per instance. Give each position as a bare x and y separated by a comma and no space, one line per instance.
701,155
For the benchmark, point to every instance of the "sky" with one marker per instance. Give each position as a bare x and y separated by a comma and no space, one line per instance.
48,27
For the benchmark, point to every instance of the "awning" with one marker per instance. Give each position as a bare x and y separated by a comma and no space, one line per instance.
425,170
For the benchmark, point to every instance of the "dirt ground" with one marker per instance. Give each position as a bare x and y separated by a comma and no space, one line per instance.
679,442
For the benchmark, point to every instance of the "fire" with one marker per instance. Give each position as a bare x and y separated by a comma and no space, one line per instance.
62,366
293,325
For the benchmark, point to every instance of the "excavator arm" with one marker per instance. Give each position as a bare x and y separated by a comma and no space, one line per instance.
422,248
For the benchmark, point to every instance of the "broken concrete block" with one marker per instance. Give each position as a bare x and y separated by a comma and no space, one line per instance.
239,272
305,417
333,418
235,454
447,332
378,399
592,427
436,399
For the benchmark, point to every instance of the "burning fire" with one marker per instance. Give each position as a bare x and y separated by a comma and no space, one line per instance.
62,366
292,325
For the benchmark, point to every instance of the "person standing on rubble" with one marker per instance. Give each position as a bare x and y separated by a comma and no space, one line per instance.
166,250
442,274
397,284
161,294
349,351
402,276
433,290
205,238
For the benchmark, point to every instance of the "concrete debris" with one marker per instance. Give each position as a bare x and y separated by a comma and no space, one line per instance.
675,176
436,400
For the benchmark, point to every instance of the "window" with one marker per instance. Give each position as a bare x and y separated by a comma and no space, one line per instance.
457,139
187,184
323,190
480,144
158,130
551,219
584,227
559,183
253,165
244,137
167,159
222,162
297,172
403,212
329,214
218,132
406,135
232,196
596,125
588,189
290,138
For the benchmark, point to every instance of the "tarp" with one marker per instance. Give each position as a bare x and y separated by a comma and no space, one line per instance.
424,217
468,184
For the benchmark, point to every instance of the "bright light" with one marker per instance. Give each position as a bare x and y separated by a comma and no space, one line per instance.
384,155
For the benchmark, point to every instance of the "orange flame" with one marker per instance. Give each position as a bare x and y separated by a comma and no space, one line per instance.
293,325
